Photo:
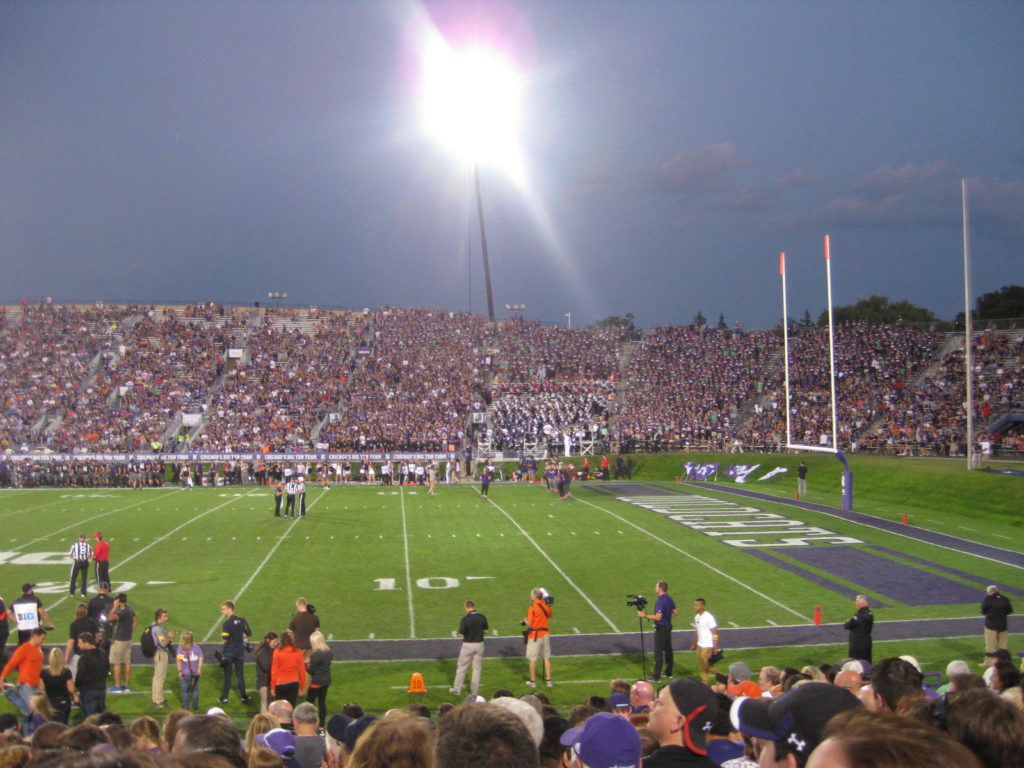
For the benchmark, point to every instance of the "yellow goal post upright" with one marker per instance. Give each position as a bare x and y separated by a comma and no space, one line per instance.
847,476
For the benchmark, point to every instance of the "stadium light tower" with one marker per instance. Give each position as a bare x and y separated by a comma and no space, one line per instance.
470,104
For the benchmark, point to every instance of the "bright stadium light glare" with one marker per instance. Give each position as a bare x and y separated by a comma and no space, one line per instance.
471,102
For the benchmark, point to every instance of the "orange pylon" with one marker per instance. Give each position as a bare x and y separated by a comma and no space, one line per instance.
817,615
905,521
416,684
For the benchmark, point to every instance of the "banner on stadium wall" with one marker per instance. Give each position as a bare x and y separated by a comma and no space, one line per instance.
108,458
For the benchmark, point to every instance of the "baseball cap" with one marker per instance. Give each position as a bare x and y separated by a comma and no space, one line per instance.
279,740
618,701
699,707
336,726
999,653
797,717
27,586
81,536
605,740
355,729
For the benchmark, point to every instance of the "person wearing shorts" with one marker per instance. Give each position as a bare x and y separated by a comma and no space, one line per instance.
124,621
538,636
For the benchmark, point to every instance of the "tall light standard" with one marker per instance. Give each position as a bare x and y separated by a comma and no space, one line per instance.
483,244
568,319
277,296
470,102
515,309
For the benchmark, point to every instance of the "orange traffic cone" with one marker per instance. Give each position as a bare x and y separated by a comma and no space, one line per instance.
905,521
677,478
798,496
416,684
817,615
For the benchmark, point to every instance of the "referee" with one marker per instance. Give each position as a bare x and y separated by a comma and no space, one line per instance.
80,554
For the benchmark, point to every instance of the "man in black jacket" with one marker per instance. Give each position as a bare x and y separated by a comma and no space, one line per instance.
995,608
91,676
860,625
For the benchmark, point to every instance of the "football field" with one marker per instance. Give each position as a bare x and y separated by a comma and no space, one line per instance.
389,563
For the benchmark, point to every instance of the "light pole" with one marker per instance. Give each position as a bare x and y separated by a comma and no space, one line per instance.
568,318
516,309
277,296
483,244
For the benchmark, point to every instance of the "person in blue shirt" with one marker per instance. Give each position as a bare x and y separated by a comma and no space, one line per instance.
664,610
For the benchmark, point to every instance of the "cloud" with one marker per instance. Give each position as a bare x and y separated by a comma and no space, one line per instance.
929,195
761,194
712,176
897,198
694,172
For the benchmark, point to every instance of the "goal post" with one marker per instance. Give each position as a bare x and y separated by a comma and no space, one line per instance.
847,476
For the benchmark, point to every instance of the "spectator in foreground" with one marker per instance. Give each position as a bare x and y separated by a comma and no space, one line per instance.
483,736
683,712
791,726
859,738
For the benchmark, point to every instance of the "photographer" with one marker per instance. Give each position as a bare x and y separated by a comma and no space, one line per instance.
538,640
664,611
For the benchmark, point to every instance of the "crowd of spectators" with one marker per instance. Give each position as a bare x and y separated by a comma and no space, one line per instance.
415,389
874,366
45,357
685,385
291,381
850,714
122,379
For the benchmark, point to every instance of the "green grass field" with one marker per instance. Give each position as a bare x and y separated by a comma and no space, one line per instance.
389,563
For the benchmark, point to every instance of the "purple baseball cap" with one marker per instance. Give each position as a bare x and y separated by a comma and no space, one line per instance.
605,740
279,740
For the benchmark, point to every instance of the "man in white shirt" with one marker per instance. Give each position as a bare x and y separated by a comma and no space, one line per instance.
705,639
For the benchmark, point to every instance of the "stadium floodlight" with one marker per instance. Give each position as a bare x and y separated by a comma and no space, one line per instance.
847,478
471,103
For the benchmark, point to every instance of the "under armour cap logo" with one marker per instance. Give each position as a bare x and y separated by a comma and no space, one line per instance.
799,744
707,727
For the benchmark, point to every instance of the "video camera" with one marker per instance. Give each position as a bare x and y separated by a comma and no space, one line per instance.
637,601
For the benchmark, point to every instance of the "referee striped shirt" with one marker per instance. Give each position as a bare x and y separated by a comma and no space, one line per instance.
81,552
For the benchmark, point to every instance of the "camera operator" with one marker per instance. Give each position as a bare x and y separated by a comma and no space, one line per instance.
664,610
538,640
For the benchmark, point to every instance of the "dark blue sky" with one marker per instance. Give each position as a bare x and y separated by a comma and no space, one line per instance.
175,151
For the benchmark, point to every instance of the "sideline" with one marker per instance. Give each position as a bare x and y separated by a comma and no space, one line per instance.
408,565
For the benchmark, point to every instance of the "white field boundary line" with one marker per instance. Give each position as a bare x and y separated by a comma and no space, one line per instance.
681,551
408,565
266,559
555,565
787,503
79,523
158,540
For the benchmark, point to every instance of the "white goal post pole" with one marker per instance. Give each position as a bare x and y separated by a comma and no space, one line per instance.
831,347
785,340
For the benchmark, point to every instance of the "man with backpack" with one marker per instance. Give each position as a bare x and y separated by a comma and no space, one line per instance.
156,645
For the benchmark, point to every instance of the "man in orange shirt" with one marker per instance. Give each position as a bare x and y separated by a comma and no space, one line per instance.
538,640
28,660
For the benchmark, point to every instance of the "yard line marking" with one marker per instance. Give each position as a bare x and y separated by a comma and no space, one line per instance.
965,528
81,523
1000,536
555,565
696,559
577,630
408,567
259,568
734,624
771,622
